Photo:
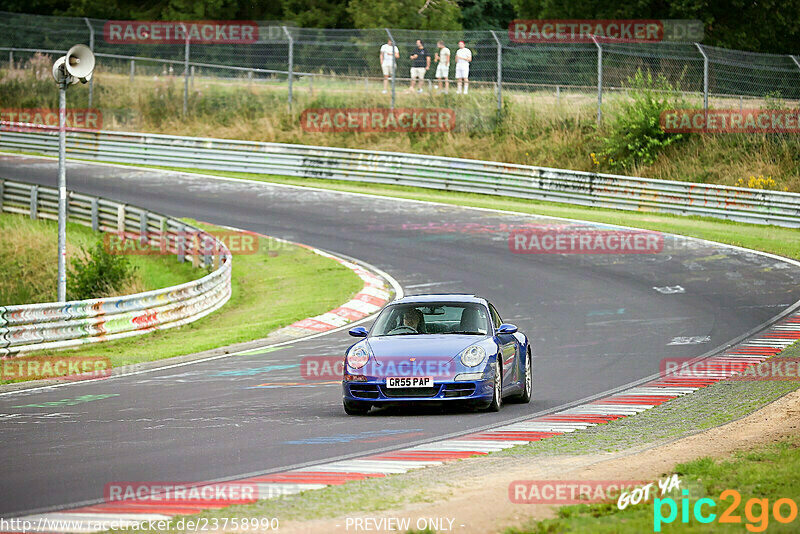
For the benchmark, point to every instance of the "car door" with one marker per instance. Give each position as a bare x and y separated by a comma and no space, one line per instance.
508,347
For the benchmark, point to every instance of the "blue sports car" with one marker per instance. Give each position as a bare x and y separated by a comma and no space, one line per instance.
437,348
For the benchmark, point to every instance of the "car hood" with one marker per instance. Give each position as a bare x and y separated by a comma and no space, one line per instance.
433,345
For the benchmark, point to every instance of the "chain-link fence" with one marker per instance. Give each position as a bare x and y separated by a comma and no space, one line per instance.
335,62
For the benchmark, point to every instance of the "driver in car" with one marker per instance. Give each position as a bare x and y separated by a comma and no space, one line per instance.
413,319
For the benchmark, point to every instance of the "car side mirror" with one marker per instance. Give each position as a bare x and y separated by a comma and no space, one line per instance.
360,331
507,328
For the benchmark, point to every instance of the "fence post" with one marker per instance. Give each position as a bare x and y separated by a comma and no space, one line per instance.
11,60
186,72
599,80
91,47
311,84
291,64
191,76
133,70
499,73
705,77
394,63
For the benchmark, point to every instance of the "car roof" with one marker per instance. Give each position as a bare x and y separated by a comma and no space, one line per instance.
441,297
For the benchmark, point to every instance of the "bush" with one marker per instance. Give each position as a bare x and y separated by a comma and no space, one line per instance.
635,137
97,273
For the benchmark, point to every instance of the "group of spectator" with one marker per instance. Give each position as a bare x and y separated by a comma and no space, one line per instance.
421,63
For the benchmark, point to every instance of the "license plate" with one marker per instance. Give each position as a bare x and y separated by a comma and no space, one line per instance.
410,382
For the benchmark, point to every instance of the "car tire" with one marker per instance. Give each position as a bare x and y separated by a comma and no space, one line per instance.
527,393
355,407
497,389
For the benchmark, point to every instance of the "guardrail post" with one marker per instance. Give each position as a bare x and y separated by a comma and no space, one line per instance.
2,192
499,74
394,64
181,244
121,218
599,80
291,64
133,70
705,76
95,215
91,47
143,237
34,202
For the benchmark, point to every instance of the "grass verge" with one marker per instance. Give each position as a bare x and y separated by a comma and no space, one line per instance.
26,277
274,287
764,474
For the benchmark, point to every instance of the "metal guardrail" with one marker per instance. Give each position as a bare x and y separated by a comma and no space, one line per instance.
32,327
433,172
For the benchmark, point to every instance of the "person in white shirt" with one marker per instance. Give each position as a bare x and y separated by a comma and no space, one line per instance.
442,57
463,59
388,62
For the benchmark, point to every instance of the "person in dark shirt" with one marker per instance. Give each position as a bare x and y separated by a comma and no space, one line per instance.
420,63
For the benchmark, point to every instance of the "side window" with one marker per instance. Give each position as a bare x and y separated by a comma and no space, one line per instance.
495,317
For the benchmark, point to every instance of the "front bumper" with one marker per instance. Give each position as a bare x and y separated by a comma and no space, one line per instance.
375,391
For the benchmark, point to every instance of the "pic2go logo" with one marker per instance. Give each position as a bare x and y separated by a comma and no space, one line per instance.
756,511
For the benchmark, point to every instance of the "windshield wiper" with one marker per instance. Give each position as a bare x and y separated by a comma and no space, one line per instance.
464,332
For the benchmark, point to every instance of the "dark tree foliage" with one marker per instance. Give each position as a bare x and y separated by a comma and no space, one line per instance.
756,25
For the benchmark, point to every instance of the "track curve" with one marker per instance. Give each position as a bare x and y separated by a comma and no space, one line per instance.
596,322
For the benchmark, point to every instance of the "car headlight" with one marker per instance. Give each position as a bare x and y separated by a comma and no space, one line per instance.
472,356
358,357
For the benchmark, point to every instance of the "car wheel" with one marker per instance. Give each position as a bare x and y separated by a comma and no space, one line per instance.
497,390
355,407
527,382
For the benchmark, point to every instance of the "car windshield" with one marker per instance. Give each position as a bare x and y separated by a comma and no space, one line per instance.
432,318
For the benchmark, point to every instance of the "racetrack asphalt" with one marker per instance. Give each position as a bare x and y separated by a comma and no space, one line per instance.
596,321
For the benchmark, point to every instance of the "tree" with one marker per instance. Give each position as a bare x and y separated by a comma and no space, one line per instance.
486,14
410,14
317,13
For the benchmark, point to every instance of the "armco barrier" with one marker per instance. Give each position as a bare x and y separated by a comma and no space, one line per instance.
474,176
56,325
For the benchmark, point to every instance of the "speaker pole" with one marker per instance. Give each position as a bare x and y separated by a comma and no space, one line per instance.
62,192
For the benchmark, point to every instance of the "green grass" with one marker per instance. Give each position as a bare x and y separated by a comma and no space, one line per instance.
771,472
275,287
26,277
